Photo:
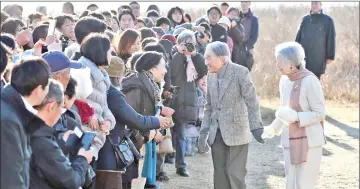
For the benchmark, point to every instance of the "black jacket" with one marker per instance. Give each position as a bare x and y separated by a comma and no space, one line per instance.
124,115
185,103
15,144
218,33
49,167
317,36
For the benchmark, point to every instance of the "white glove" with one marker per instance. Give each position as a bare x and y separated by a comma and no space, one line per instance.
269,132
287,115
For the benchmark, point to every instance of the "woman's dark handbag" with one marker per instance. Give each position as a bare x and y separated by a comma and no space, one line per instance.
123,154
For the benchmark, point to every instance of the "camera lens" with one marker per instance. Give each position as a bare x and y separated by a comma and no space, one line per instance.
190,47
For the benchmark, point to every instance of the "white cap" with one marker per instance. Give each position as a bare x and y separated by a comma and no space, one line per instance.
225,20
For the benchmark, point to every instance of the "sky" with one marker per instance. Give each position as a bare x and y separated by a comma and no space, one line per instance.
30,7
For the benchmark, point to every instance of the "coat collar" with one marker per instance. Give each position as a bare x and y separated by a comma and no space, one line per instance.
97,74
225,74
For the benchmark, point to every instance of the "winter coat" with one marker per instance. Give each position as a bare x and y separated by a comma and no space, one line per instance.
185,103
218,33
98,100
49,167
251,26
15,143
317,36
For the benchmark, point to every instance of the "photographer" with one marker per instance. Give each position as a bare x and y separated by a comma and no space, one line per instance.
203,37
186,67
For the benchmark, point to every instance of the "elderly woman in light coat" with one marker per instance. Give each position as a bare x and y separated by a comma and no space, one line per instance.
300,118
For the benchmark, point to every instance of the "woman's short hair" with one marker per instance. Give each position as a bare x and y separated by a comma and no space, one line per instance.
39,32
185,35
30,73
291,51
87,25
10,25
126,40
147,41
219,49
95,47
60,20
145,33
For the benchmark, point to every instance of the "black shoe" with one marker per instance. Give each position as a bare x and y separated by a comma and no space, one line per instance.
162,177
182,172
150,186
169,159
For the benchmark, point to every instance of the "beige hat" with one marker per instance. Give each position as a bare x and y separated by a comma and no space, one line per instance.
225,20
116,68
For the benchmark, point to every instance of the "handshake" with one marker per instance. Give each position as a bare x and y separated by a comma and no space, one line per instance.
165,117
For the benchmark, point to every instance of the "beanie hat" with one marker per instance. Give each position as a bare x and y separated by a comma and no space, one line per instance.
116,68
225,20
163,20
169,37
147,61
201,20
152,13
168,45
216,8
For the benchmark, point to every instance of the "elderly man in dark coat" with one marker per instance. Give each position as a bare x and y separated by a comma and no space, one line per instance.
317,36
232,112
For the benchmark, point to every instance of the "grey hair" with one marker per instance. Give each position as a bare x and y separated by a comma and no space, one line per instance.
56,92
292,52
184,35
219,49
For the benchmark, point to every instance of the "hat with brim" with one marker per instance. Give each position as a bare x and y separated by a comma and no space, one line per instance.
58,61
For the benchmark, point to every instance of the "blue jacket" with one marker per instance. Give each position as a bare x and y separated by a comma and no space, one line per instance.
124,115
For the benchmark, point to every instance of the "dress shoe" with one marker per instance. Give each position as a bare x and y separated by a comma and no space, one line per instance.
182,172
162,176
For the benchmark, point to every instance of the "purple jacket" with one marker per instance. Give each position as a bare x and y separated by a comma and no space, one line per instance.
251,26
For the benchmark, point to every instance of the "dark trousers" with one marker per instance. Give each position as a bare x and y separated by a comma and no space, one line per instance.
318,75
229,164
179,144
126,185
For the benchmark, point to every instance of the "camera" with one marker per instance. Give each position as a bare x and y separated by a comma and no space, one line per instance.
189,47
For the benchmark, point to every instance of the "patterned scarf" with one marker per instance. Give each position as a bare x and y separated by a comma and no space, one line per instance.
155,86
191,73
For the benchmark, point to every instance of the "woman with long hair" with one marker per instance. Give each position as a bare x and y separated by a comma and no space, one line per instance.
127,44
176,16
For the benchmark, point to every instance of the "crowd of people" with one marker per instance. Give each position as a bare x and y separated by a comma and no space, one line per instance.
104,99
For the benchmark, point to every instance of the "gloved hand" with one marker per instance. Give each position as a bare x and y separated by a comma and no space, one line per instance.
257,135
287,115
203,145
269,132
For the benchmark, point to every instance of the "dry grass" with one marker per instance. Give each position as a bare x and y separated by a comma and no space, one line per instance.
341,81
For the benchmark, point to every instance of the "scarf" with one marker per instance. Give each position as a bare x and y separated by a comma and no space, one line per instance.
155,86
299,145
85,111
191,73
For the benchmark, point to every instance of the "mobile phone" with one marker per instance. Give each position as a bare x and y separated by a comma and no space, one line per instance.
52,25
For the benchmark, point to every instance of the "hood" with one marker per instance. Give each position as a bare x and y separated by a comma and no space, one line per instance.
137,80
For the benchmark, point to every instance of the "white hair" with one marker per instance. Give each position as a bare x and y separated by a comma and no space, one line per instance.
293,52
219,49
84,85
186,34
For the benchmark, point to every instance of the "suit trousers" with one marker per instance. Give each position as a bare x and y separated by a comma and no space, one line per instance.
304,175
229,164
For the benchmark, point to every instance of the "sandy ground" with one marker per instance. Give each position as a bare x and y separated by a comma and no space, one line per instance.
340,161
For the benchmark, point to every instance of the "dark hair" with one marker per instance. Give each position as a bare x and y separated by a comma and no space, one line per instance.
95,47
3,57
39,32
171,11
106,13
10,25
147,41
126,11
97,15
134,2
113,12
117,21
224,4
132,60
4,16
8,40
188,16
71,88
29,74
85,13
110,34
91,5
124,7
230,9
145,33
147,61
60,20
68,5
126,40
141,20
157,47
87,25
34,16
153,7
152,13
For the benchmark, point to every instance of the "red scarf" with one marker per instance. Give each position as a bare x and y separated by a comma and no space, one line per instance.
85,111
299,145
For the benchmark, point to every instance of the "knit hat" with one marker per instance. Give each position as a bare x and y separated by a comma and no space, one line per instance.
147,61
169,37
178,31
159,31
201,20
162,20
168,45
216,8
225,20
116,68
152,13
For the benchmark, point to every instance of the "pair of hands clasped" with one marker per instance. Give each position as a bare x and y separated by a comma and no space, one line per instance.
165,122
